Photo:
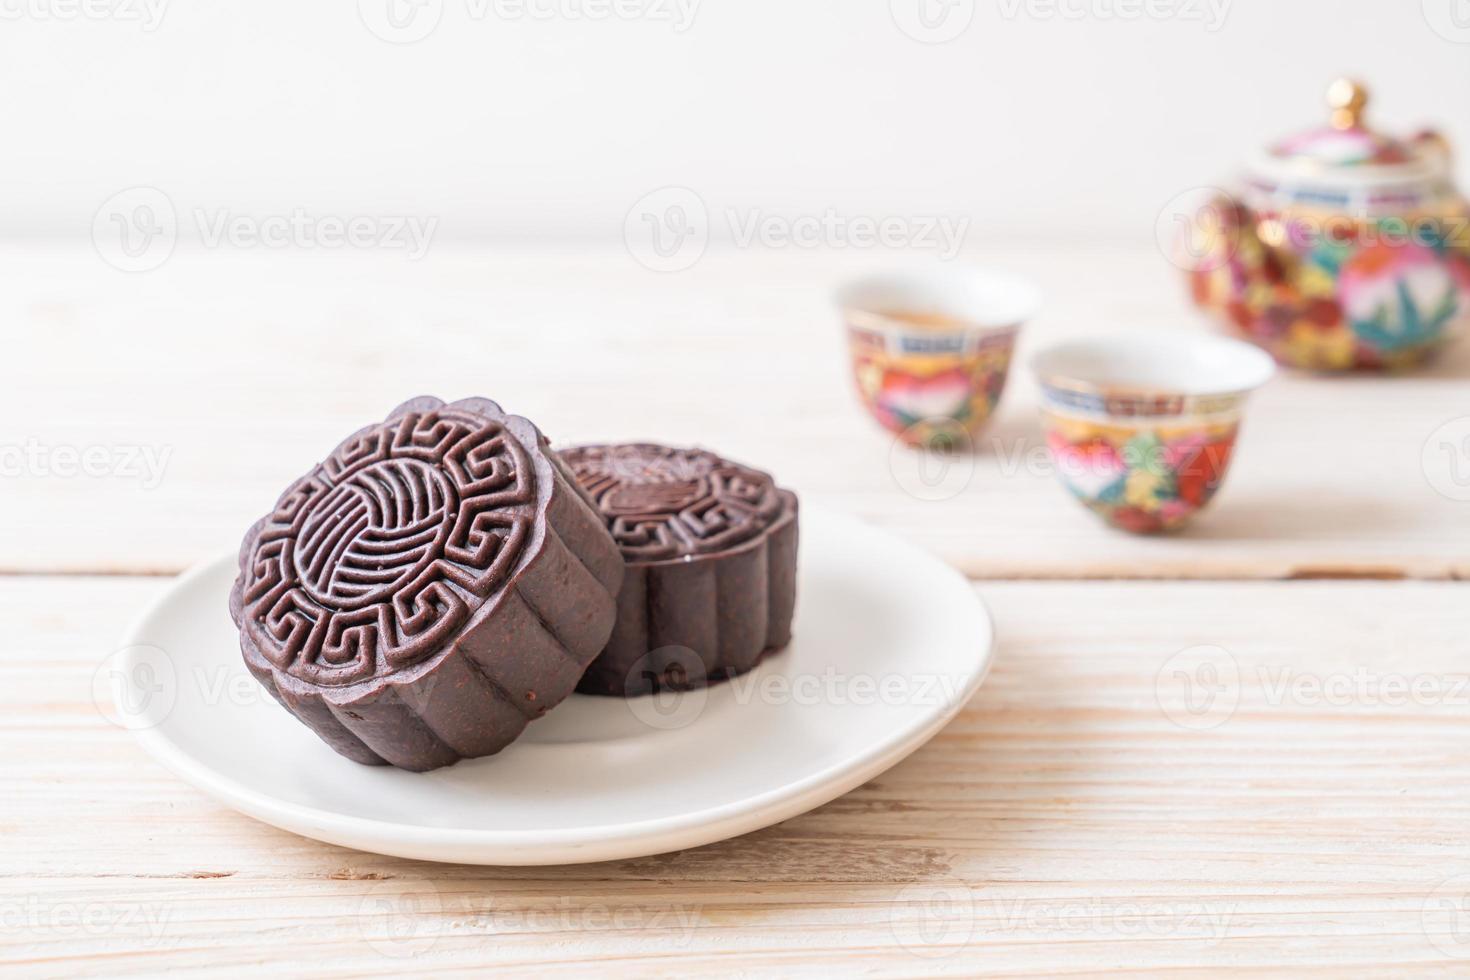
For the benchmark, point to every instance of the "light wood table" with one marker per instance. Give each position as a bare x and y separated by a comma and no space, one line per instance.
1087,811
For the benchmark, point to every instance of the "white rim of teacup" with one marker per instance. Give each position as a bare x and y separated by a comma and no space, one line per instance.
980,300
1155,364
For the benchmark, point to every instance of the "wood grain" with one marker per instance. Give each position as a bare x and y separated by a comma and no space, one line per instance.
1073,819
241,369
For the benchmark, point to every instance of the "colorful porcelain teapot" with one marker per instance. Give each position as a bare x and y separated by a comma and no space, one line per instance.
1341,249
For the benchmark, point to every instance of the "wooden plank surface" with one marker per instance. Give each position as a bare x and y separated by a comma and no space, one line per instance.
1077,816
236,370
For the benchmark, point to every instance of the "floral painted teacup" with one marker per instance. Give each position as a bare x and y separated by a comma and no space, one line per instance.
1142,430
931,351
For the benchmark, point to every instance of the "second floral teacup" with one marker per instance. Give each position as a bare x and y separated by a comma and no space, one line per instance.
1142,430
931,350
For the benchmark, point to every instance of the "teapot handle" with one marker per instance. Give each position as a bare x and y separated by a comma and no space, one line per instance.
1433,141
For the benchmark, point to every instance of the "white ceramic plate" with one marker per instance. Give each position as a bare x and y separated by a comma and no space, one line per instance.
890,643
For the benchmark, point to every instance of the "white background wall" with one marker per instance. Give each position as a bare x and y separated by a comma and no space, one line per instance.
1036,121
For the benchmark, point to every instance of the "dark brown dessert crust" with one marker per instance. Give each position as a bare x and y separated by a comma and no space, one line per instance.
710,547
429,589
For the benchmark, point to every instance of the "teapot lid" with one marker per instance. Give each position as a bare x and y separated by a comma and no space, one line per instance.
1348,154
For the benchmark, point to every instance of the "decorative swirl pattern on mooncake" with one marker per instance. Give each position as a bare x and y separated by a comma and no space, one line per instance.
373,560
663,504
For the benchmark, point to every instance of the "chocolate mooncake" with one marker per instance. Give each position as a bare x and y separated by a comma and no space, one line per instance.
433,586
710,548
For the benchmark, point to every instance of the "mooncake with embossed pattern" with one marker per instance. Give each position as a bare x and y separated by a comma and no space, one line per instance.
433,586
710,548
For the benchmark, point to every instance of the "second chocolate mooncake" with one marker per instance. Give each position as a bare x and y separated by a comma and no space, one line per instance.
710,549
430,588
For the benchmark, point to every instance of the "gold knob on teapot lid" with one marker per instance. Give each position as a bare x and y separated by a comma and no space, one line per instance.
1347,99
